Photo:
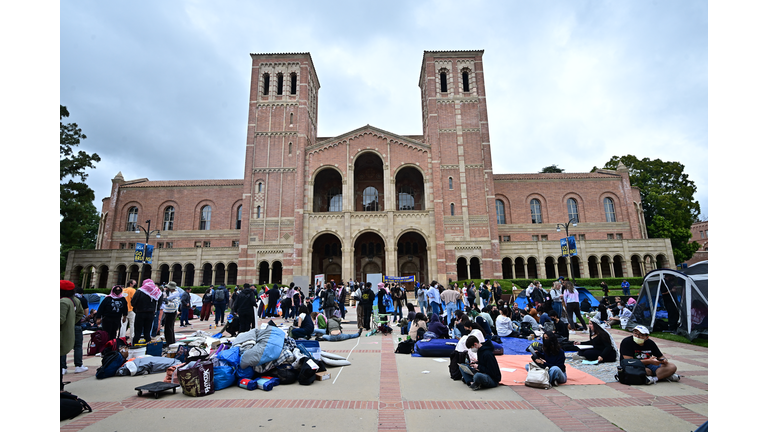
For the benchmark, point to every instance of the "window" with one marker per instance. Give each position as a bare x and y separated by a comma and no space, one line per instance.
258,212
205,218
169,245
610,213
452,210
619,236
168,218
573,210
293,83
235,243
501,219
701,234
133,216
122,245
610,236
535,238
406,198
239,221
465,81
506,238
582,236
544,238
259,187
378,248
206,244
415,248
443,82
131,245
291,123
266,84
290,148
370,199
706,233
334,199
198,244
407,248
279,84
450,183
535,211
364,249
159,245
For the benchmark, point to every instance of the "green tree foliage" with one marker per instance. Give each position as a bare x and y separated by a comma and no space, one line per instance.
79,221
668,203
552,169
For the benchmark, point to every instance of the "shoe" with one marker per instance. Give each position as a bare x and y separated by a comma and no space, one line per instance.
554,383
585,331
474,387
63,371
673,378
650,380
80,369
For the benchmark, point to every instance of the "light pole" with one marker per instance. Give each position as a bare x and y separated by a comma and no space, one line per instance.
148,233
573,221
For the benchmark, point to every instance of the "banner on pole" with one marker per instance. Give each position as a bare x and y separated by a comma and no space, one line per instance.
568,246
143,253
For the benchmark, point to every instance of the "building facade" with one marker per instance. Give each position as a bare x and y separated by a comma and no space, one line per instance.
371,201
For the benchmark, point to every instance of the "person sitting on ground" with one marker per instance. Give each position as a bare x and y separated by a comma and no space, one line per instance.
515,314
486,314
614,307
306,327
494,313
484,325
321,323
639,346
334,330
485,372
419,322
602,311
504,326
624,312
603,347
437,327
552,356
527,318
561,328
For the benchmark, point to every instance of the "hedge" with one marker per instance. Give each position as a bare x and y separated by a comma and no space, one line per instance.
594,283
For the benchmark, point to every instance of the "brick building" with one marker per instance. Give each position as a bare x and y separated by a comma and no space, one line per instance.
370,200
700,234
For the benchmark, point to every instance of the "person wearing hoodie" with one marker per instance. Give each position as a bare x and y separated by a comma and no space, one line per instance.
485,373
144,303
243,306
438,328
274,297
220,302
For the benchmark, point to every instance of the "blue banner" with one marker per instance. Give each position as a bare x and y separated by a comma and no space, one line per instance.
568,246
399,279
143,253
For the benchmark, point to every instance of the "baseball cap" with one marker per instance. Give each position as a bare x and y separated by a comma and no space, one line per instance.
642,329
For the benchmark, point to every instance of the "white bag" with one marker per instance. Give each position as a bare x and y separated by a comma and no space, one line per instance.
537,376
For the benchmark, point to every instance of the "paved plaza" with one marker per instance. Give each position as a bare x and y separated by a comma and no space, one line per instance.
395,392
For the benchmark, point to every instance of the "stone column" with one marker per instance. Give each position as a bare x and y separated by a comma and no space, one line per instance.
269,280
214,274
183,275
198,280
226,275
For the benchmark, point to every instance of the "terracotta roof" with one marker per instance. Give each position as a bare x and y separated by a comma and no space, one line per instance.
183,183
553,176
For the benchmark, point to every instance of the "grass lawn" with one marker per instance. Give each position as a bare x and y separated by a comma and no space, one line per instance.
702,342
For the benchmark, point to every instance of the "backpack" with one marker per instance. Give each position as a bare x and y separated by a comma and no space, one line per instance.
457,357
549,326
631,372
98,340
110,363
72,406
330,300
405,347
525,329
219,296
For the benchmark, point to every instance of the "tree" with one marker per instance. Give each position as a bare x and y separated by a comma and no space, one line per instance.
552,169
79,221
668,203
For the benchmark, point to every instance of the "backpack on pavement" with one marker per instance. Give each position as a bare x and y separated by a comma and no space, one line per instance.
99,339
72,406
631,372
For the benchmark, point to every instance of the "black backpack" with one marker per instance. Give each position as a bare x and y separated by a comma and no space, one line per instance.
405,347
525,329
631,372
219,296
72,406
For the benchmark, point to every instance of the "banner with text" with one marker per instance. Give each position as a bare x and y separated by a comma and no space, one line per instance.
568,246
143,253
399,279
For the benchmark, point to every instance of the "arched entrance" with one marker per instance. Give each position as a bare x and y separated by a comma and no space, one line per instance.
326,257
369,255
189,275
122,274
520,272
165,273
277,272
506,268
533,271
637,269
412,258
176,274
475,268
461,269
369,183
593,267
103,275
549,267
618,270
263,273
231,274
219,275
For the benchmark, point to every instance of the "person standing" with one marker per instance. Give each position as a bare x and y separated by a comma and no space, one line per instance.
144,303
342,301
112,310
433,297
604,287
68,317
366,301
128,293
157,324
205,312
220,302
625,288
274,297
571,299
398,300
421,298
556,293
170,308
244,305
186,302
79,298
451,298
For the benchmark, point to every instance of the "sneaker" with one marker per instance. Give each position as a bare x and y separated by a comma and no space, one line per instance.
585,331
554,383
63,371
474,387
651,380
466,369
673,378
80,369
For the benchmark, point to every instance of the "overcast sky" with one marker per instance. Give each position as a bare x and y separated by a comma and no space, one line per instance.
161,88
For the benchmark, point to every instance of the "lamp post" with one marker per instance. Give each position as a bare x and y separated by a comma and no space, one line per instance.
148,233
571,222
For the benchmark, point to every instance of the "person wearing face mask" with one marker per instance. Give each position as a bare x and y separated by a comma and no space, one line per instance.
484,373
624,312
640,346
552,356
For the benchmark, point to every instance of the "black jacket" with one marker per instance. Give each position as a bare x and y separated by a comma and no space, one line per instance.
143,303
486,361
112,308
245,302
366,296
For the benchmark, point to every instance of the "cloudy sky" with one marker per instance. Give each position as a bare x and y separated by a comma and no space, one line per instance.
161,88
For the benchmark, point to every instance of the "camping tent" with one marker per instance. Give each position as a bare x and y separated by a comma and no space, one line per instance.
195,300
690,292
522,301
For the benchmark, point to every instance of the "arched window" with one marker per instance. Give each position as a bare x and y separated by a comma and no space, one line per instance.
370,199
290,145
133,216
239,216
334,199
279,84
610,212
259,187
293,83
535,211
573,210
465,81
453,210
443,82
406,198
291,119
205,218
168,218
501,218
258,212
266,84
450,183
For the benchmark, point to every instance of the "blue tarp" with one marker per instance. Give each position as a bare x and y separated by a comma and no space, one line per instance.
522,301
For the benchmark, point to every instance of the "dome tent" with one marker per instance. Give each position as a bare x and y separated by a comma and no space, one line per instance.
690,292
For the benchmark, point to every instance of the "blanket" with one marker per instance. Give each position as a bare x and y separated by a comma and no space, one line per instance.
518,362
515,346
268,346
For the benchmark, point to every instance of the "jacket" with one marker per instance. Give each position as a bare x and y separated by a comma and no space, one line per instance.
142,302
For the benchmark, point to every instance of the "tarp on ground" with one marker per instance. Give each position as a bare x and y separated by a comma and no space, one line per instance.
522,300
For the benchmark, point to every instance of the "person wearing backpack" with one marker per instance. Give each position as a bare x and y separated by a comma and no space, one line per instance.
366,301
329,300
485,373
220,302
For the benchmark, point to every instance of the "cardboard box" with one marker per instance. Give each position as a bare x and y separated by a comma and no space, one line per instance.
322,376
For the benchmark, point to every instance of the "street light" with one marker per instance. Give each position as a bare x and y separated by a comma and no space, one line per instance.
571,222
148,233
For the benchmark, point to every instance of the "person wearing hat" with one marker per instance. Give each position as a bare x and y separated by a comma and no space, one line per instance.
640,346
186,303
70,313
144,303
